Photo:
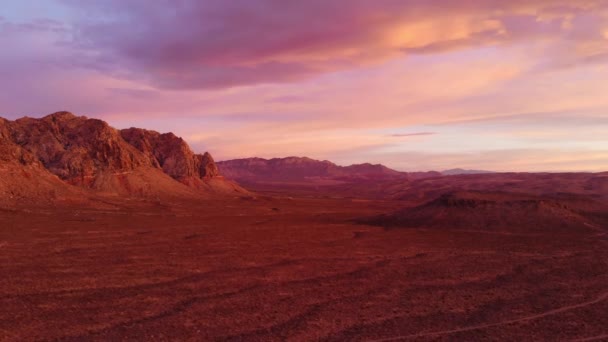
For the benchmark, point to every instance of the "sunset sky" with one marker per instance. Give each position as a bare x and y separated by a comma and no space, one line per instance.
413,84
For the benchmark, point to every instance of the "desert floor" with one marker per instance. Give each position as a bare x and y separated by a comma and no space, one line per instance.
291,269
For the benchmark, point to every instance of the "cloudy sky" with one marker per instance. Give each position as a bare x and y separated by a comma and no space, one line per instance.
414,84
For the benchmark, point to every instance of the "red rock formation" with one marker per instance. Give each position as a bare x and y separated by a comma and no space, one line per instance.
9,151
208,167
171,153
23,179
76,149
90,154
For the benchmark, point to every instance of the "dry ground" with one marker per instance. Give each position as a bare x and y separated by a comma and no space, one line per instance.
291,269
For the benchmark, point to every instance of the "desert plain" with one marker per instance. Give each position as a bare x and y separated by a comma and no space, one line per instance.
289,267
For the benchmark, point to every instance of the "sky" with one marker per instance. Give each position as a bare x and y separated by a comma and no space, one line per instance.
517,85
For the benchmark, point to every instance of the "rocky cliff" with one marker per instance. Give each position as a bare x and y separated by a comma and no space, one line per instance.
65,149
171,154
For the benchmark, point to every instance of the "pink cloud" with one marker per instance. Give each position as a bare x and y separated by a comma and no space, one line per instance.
190,44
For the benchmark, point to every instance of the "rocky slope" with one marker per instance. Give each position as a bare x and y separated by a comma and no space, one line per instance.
171,154
76,149
302,169
488,211
23,178
61,149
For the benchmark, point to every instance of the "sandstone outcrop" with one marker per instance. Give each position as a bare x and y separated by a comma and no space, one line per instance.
171,154
63,151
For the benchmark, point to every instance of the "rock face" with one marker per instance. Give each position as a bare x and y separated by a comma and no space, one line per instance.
24,181
76,149
9,151
171,153
208,167
90,154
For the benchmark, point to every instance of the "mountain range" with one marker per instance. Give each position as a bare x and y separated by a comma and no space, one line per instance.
311,171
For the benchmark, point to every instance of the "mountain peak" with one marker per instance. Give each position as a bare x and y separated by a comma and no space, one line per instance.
61,115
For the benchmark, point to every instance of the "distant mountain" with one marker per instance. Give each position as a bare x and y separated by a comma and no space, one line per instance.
64,154
303,169
453,172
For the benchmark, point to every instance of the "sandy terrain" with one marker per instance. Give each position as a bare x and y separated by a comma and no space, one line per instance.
292,269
